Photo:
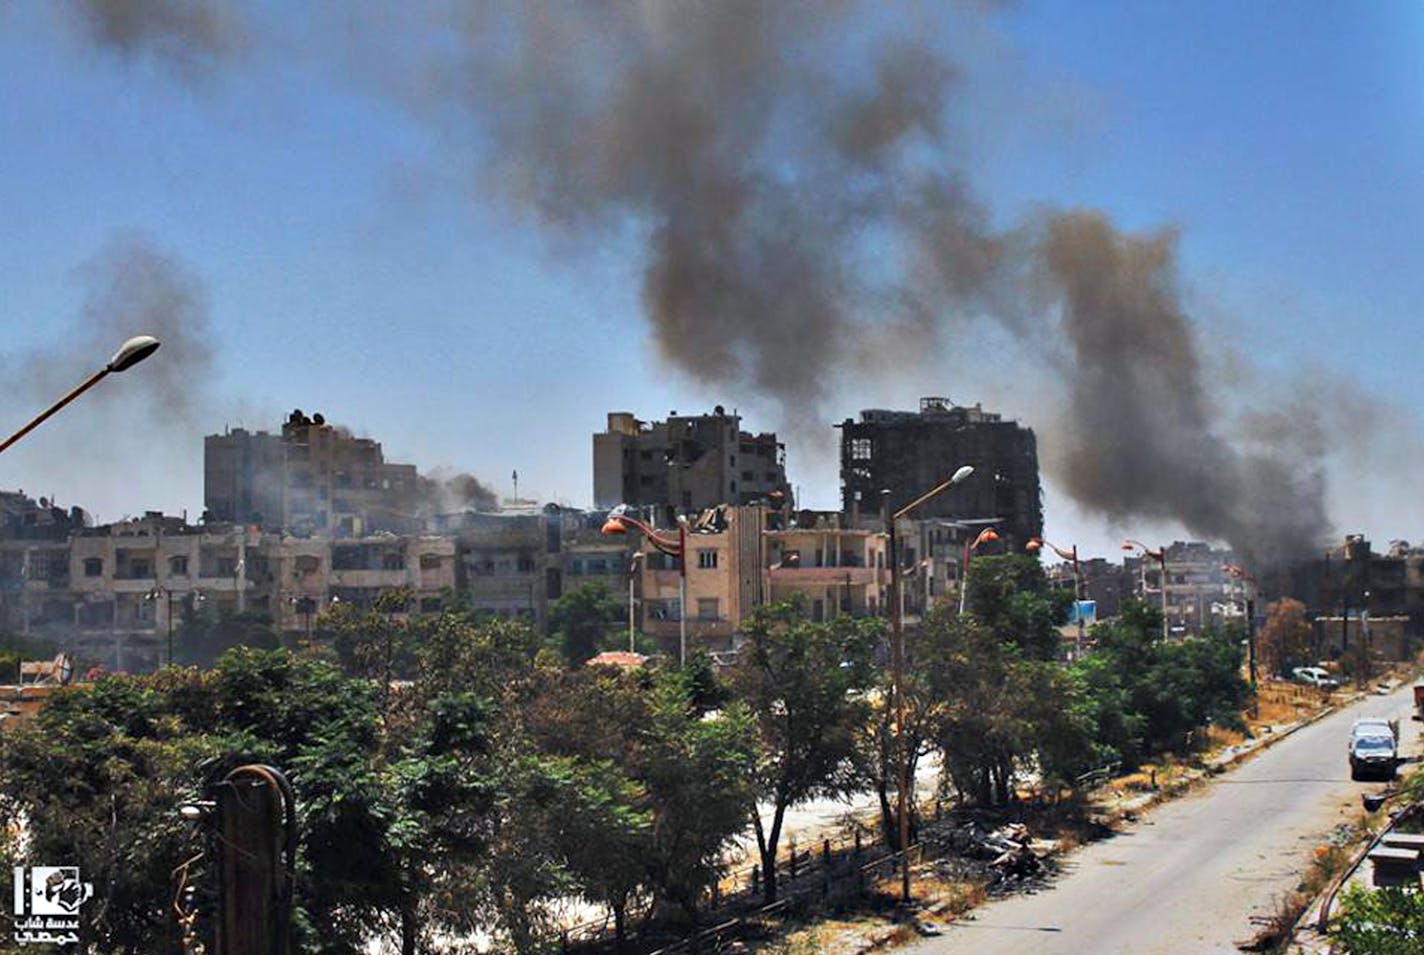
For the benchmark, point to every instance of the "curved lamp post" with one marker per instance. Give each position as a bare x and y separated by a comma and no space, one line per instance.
1238,573
633,564
1034,545
130,353
1159,555
986,536
897,665
159,592
618,523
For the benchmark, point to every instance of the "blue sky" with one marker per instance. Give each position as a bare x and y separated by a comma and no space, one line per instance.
351,268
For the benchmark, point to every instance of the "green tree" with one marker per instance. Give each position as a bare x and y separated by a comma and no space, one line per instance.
1147,695
582,621
1003,713
671,778
1387,921
1012,596
94,780
804,684
697,769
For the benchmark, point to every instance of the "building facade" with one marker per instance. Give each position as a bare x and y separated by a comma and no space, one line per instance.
909,453
312,478
686,464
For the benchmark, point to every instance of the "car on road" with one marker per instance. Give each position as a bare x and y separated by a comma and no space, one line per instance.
1315,676
1375,727
1373,753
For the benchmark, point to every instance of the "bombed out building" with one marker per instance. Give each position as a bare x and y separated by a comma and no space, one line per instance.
909,453
687,463
313,477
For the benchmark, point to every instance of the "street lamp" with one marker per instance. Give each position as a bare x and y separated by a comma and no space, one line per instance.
897,665
163,593
632,573
305,606
987,536
618,523
1159,555
1238,573
130,353
1034,545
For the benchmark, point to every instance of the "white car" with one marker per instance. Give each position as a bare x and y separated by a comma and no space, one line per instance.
1315,676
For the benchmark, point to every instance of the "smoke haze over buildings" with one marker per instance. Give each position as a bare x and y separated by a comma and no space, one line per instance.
801,205
130,286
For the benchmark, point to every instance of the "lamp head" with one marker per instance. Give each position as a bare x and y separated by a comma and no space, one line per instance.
132,352
614,526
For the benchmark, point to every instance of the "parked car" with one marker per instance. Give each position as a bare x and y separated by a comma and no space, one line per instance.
1315,676
1373,753
1375,727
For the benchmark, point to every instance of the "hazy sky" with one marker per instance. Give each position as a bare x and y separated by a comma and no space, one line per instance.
309,212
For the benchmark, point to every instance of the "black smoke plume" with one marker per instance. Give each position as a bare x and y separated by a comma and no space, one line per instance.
800,200
192,35
805,213
441,492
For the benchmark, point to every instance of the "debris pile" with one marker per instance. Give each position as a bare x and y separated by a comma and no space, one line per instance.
1006,852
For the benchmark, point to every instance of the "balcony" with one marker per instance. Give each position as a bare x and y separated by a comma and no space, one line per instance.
827,576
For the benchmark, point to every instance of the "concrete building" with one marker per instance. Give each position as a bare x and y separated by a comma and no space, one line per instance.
725,580
686,464
503,565
130,580
313,478
1105,583
908,453
34,564
835,570
1353,575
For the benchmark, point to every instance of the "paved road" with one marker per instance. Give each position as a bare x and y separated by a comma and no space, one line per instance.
1188,877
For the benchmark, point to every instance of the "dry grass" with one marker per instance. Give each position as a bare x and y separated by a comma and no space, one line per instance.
1278,701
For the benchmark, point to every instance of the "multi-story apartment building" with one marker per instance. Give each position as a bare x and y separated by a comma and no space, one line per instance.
835,570
312,478
907,453
34,564
686,464
725,559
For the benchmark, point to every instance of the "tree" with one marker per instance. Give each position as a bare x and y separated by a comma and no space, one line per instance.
1387,921
1002,712
1011,595
804,684
671,778
1285,640
582,619
697,770
100,772
1146,695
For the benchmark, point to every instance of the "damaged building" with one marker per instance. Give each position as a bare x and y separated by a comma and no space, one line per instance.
687,463
312,478
908,453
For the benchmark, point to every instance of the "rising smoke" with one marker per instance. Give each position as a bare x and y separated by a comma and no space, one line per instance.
130,286
445,492
802,201
191,35
789,171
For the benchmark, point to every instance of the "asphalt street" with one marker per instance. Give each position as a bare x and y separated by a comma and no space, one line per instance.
1191,873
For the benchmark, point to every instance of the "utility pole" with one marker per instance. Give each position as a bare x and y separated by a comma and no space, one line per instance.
257,844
